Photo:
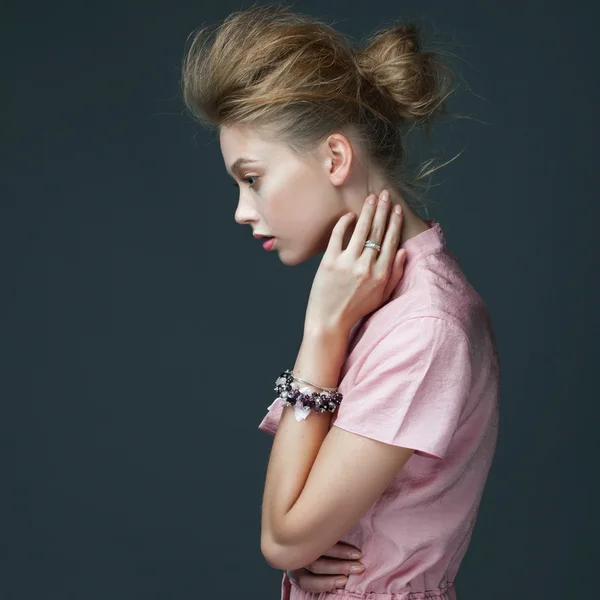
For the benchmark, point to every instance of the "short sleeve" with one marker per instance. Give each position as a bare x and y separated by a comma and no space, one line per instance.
412,387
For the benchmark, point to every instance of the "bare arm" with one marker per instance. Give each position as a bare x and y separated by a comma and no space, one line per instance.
320,481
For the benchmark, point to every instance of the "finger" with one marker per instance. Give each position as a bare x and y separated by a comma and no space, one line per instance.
336,240
332,566
378,226
318,583
389,246
396,275
342,550
323,573
363,226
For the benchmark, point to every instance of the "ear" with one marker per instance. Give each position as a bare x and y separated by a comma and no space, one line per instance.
338,158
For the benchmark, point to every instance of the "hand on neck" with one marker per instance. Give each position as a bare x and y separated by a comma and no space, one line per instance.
413,224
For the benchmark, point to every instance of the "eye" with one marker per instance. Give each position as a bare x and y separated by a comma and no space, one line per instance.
246,180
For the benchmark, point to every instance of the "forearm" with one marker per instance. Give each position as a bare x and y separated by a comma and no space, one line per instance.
296,444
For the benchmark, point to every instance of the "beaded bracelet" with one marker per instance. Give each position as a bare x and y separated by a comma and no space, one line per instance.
303,400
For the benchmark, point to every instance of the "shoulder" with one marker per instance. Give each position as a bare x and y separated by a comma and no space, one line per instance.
436,293
413,343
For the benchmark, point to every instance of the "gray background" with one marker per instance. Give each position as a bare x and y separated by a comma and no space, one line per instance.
142,329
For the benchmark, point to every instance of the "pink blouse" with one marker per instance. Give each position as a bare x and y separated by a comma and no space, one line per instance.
420,372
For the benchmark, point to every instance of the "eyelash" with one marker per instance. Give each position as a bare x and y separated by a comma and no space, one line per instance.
246,179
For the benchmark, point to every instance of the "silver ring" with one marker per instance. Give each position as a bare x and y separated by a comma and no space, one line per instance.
372,244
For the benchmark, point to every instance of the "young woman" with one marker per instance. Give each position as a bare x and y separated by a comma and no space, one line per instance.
386,426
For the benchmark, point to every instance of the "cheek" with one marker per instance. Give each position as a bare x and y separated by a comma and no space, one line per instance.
297,214
294,207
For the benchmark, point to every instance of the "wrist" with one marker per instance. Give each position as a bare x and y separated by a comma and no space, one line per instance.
328,334
321,356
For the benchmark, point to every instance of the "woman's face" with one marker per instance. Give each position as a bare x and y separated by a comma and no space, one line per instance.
296,200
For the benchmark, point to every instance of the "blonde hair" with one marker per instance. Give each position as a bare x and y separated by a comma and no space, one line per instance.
296,78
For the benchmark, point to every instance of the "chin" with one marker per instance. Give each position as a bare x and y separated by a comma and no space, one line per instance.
291,258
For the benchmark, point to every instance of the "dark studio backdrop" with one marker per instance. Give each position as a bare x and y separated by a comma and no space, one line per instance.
142,328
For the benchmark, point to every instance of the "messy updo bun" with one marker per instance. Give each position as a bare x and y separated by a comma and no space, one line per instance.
393,64
297,78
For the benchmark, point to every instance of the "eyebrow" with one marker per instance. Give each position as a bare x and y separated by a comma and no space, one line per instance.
239,162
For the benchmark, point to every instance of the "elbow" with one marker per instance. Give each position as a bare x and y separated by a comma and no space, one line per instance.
273,554
273,550
282,557
285,547
274,562
295,549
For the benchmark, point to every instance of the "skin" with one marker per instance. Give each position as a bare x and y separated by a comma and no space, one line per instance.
299,200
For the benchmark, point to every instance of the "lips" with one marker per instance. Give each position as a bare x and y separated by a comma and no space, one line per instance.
268,245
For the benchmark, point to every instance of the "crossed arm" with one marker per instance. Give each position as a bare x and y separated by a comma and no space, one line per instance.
320,481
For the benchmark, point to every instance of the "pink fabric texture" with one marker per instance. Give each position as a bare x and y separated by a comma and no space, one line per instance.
420,372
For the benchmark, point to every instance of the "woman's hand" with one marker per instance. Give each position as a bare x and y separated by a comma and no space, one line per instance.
322,574
351,283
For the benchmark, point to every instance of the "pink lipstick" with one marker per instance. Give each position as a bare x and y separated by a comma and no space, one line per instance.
268,245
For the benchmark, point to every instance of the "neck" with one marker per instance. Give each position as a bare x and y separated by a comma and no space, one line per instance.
413,224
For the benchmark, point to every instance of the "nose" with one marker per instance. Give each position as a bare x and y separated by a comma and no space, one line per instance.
245,212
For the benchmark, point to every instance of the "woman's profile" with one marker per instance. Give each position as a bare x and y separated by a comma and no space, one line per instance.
385,427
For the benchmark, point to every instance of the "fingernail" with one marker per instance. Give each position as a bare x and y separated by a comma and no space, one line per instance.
340,583
355,555
356,568
371,200
398,209
385,196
